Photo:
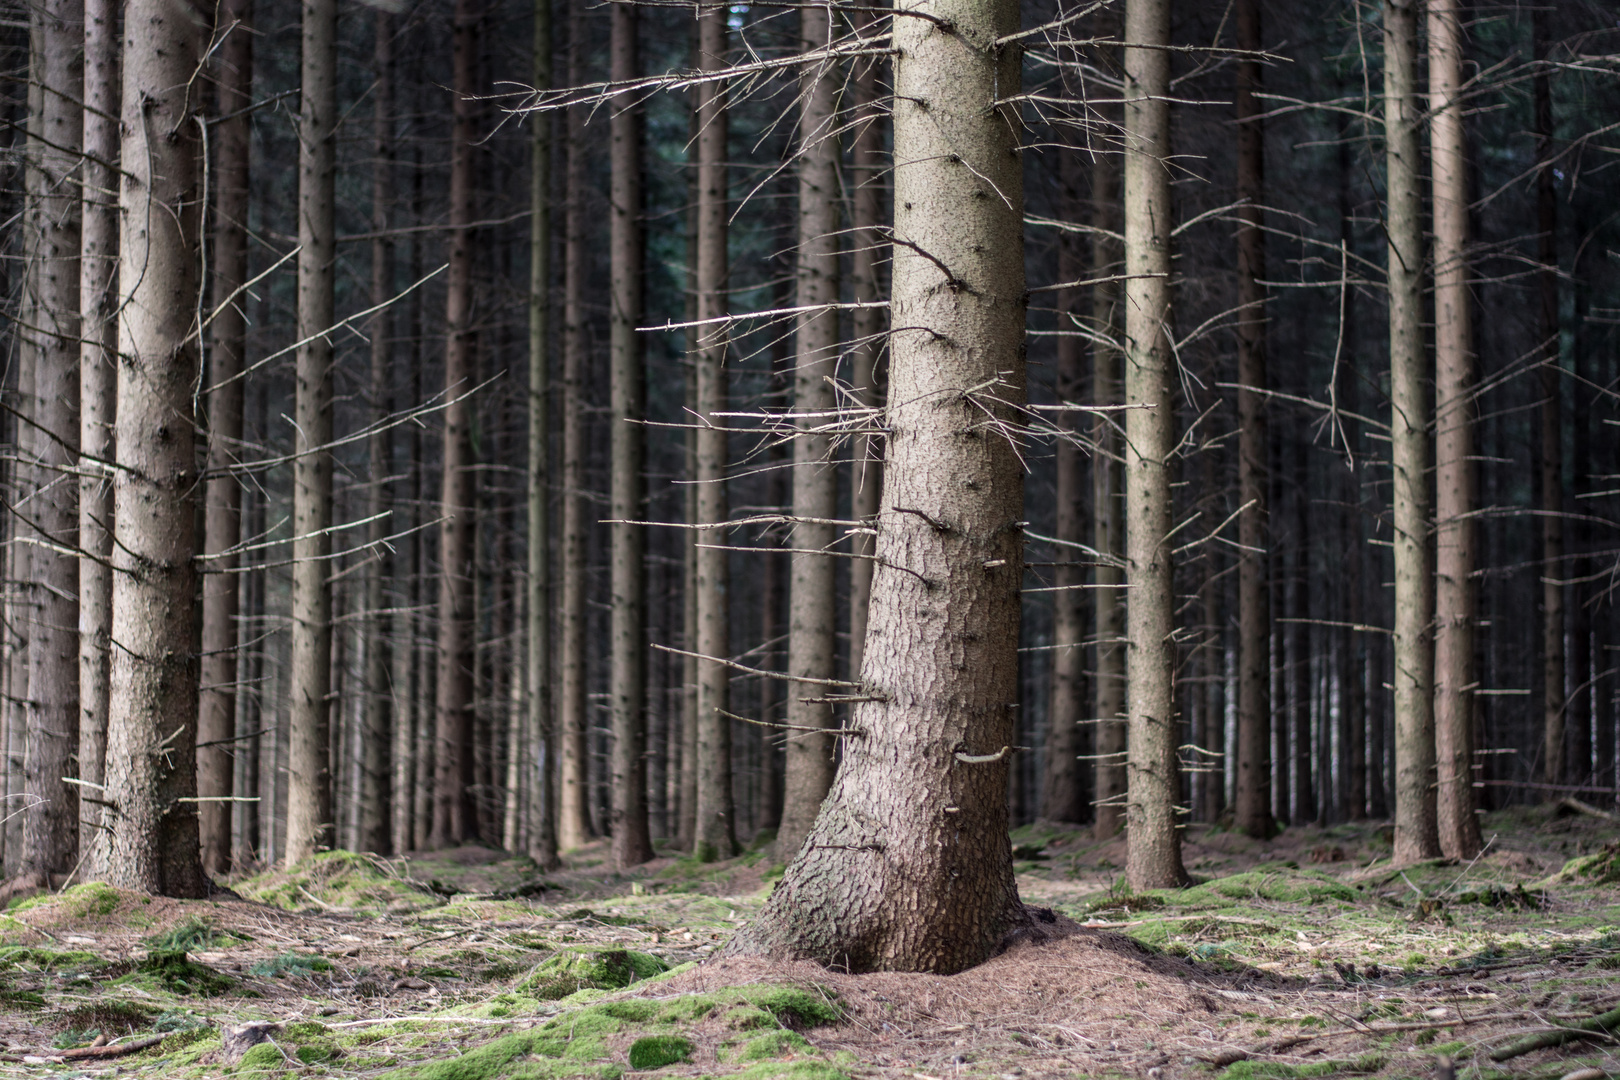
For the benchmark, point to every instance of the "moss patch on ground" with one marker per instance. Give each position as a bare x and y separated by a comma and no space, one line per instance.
338,879
175,972
573,970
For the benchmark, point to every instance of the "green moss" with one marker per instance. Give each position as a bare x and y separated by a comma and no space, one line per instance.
178,974
774,1044
36,959
1282,885
21,999
190,1051
87,901
265,1057
793,1070
487,1062
1279,1070
572,970
121,1017
194,933
657,1051
338,879
179,1040
290,963
796,1006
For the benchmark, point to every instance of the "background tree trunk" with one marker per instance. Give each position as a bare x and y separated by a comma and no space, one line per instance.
715,835
1456,601
632,844
1252,807
222,525
1154,853
455,819
908,866
151,756
1415,831
812,611
309,773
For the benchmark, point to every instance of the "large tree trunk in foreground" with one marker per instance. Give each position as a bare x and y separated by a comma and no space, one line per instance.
1252,804
151,755
628,375
1456,599
98,376
222,526
715,829
1415,832
908,866
1154,855
812,613
454,818
309,769
50,826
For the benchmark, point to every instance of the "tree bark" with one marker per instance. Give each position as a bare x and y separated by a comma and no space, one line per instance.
632,844
1062,797
1551,472
1153,859
50,827
1252,805
309,771
98,371
1456,599
222,525
573,815
1416,835
540,747
151,756
715,830
378,715
455,819
908,866
812,612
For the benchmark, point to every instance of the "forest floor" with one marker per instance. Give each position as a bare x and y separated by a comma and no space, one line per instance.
1306,956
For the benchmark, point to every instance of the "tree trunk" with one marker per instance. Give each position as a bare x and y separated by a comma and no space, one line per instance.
867,219
1416,836
151,756
715,831
540,746
455,819
1252,805
1062,797
50,827
377,725
1154,855
812,611
908,866
98,372
1551,473
573,815
222,527
632,844
309,773
1456,599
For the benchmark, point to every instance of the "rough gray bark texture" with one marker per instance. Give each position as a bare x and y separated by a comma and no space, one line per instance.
632,844
151,756
1455,408
50,827
222,514
309,771
1416,836
98,372
908,866
812,611
1252,803
1153,857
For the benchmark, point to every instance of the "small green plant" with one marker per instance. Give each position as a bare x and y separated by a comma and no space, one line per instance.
179,974
657,1051
292,963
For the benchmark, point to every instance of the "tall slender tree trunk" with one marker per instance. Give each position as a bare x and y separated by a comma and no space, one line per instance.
256,705
908,866
222,522
812,611
1062,797
1551,473
151,756
1107,486
1154,855
715,835
866,223
1252,805
540,748
98,372
455,819
573,813
1456,373
632,844
378,714
1416,836
309,773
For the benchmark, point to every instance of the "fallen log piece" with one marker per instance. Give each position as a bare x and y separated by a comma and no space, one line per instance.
1601,1024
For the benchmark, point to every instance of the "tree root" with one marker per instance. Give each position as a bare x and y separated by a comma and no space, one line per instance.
1601,1024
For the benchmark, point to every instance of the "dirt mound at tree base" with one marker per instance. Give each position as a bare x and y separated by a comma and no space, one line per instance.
1089,1000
